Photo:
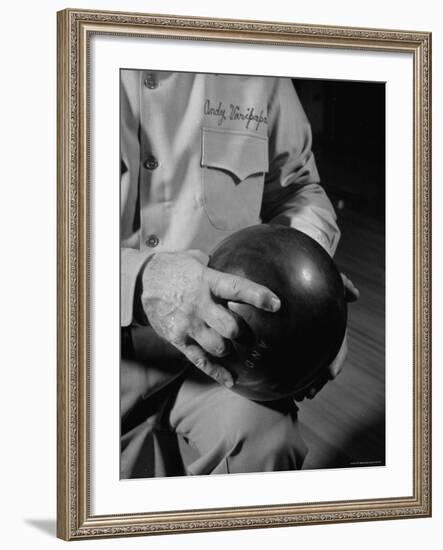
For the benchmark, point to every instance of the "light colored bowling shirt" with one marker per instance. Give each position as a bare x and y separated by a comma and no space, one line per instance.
203,156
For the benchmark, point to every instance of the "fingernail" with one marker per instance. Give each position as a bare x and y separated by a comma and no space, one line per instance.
275,303
229,382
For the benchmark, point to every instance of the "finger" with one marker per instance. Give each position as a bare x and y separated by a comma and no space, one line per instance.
210,341
246,335
239,289
228,323
337,364
311,390
351,291
319,385
198,357
220,319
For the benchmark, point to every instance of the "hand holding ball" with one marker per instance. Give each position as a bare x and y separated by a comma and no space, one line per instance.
282,352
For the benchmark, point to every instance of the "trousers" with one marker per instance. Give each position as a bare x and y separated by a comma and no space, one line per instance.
165,408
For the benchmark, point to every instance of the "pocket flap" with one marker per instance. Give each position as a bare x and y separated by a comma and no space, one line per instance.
240,153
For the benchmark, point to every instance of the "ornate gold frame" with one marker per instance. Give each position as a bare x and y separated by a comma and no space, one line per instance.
74,519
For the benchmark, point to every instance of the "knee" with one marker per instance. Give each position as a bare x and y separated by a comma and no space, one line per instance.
266,439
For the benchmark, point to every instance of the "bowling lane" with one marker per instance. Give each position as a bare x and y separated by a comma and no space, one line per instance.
344,425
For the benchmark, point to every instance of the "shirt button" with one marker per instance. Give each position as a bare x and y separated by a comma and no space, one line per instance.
150,82
151,163
152,241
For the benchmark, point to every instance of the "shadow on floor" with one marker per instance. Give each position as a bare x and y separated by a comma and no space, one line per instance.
48,526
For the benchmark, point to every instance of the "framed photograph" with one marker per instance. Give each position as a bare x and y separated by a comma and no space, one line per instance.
243,274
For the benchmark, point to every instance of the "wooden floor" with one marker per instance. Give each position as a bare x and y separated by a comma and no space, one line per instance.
344,425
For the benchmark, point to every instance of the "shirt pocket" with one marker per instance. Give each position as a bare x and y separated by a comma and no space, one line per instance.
233,172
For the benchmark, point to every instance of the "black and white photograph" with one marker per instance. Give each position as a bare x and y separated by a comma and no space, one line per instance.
252,274
243,274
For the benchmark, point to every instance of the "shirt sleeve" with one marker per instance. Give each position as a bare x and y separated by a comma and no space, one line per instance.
132,262
293,195
132,259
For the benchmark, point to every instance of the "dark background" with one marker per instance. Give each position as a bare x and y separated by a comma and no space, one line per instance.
348,127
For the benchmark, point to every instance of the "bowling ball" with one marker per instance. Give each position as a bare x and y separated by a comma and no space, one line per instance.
279,354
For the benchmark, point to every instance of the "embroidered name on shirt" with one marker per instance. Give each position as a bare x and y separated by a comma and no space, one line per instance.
235,112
